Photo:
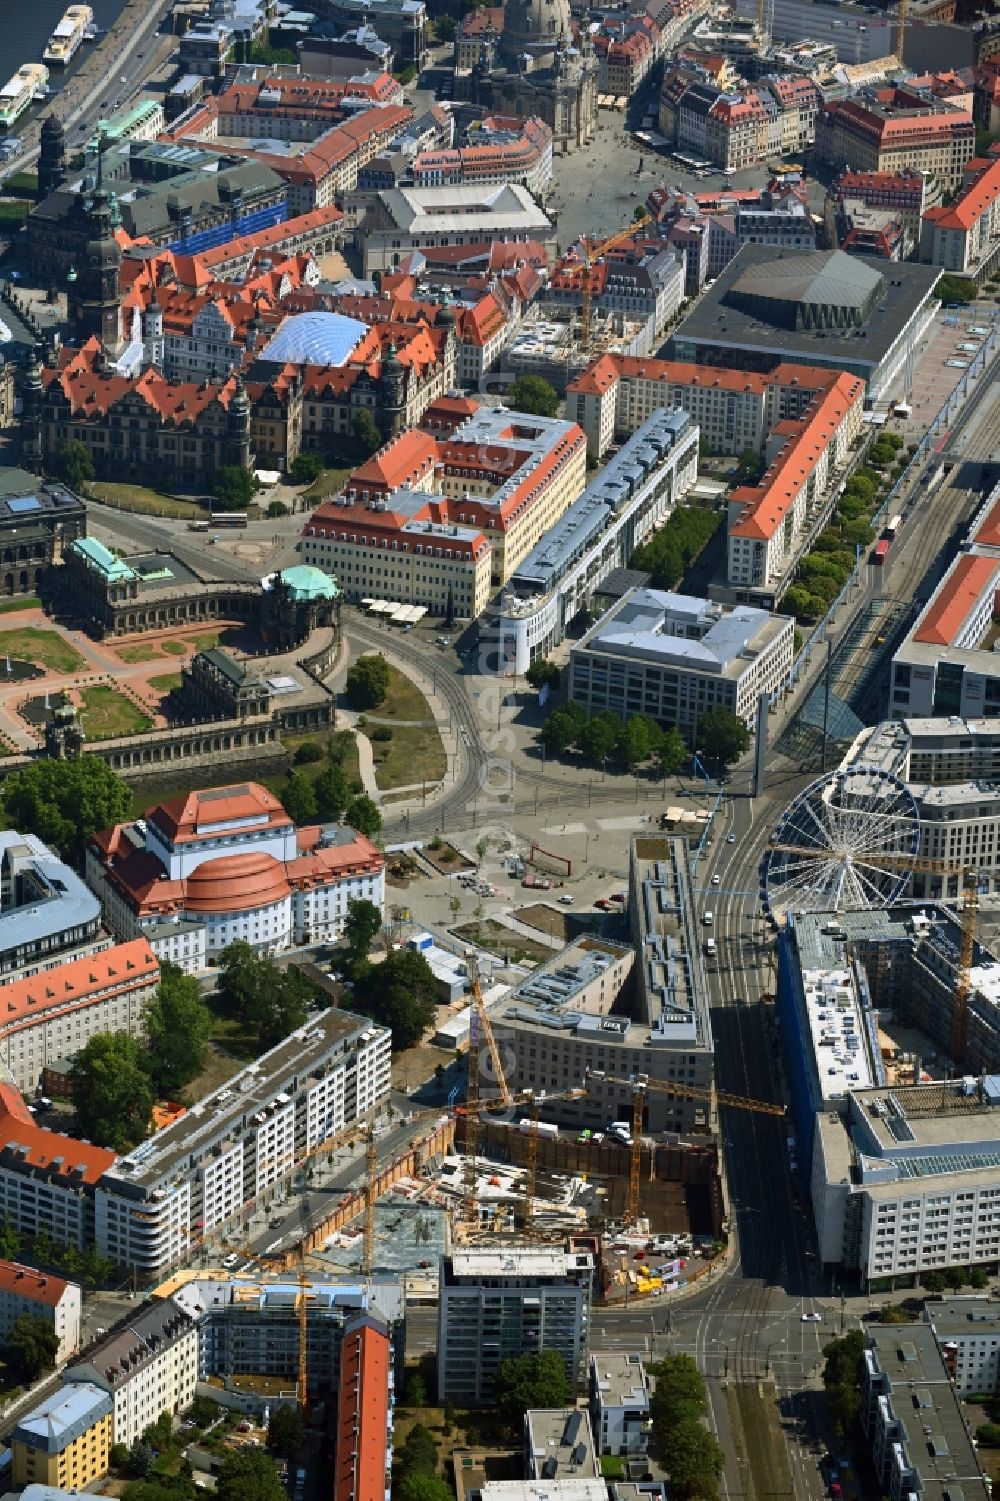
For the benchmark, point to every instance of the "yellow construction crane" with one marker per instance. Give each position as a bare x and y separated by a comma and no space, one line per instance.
303,1313
639,1085
590,258
470,1112
371,1180
478,1020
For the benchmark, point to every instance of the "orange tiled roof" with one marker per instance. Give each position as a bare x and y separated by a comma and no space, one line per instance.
956,598
53,1155
77,983
362,1414
28,1282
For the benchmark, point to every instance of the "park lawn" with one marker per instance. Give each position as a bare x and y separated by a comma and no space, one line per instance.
414,754
23,602
143,651
107,713
347,744
330,482
206,641
174,648
167,682
229,1031
403,701
513,947
30,644
147,502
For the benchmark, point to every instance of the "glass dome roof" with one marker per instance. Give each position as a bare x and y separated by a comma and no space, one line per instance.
314,339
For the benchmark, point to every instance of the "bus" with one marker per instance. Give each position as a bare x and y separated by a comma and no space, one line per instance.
197,526
232,519
879,553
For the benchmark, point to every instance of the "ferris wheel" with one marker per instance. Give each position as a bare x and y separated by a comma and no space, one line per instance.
847,843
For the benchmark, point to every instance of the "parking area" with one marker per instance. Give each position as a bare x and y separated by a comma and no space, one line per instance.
943,359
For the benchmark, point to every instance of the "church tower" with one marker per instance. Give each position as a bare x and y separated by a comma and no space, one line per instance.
152,331
95,293
392,384
51,156
32,397
237,449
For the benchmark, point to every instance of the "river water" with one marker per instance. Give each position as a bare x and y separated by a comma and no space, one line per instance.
26,25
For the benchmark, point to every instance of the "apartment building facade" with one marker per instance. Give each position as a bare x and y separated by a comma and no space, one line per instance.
65,1441
895,132
964,236
28,1293
146,1369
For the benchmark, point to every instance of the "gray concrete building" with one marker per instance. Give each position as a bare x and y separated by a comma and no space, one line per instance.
509,1300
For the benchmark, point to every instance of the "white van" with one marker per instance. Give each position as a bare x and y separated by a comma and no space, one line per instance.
707,919
710,948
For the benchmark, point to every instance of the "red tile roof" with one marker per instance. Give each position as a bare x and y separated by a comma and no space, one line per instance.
236,883
27,1282
199,815
360,1467
80,982
956,599
976,198
54,1155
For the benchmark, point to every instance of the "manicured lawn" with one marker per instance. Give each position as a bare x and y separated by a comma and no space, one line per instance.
47,648
148,502
107,713
174,648
403,701
330,482
206,641
143,651
23,602
414,754
166,683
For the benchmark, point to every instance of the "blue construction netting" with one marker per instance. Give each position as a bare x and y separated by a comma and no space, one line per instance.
220,234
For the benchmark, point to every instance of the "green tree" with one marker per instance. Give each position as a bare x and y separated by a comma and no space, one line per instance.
366,432
667,554
723,735
298,798
400,993
533,394
233,487
308,753
112,1093
671,752
958,289
76,467
118,1456
10,1241
141,1459
526,1381
842,1376
249,1475
286,1431
978,1278
361,927
367,683
563,727
271,1001
692,1459
445,27
418,1455
678,1381
32,1346
362,814
417,1487
275,509
542,672
600,736
332,792
637,740
306,467
749,467
203,1412
178,1025
65,802
415,1390
152,1490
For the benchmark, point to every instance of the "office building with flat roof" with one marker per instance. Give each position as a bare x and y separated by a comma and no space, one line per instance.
47,914
674,657
510,1300
967,1330
910,1416
609,1012
559,1444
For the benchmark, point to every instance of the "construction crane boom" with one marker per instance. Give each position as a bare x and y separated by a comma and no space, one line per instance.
639,1085
590,259
371,1178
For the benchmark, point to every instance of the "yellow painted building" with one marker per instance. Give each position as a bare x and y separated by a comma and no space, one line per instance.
66,1440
